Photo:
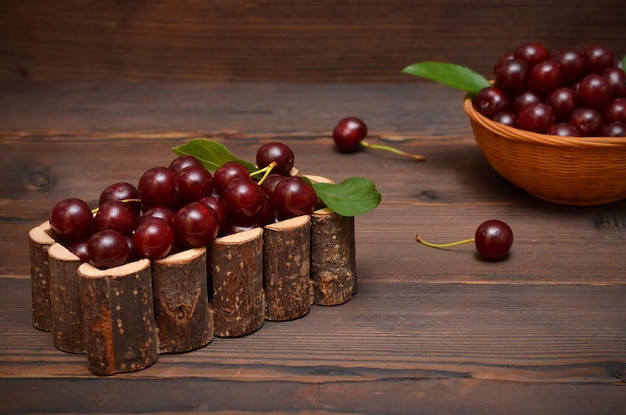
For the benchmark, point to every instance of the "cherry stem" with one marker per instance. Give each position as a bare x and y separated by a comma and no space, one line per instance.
266,172
439,246
393,150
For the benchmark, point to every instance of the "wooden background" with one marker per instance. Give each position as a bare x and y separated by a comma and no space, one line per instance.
277,40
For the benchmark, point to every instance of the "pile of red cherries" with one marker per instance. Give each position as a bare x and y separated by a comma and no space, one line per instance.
182,206
562,92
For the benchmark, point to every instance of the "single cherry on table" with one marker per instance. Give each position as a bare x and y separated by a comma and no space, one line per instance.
349,136
493,240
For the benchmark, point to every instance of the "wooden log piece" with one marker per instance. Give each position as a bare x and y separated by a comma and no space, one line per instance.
286,268
333,257
181,302
40,240
237,280
67,318
118,318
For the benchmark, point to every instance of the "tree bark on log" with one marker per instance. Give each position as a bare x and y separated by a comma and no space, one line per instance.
40,240
286,268
181,302
118,318
333,257
237,279
67,319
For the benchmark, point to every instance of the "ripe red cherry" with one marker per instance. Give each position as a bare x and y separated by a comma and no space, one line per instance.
349,133
276,152
598,58
115,215
536,117
293,197
122,191
107,249
532,53
493,240
156,188
228,172
192,184
595,91
491,100
195,225
545,77
71,220
182,162
243,197
511,75
153,239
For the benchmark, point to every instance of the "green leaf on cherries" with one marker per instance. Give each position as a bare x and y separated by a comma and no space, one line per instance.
352,197
449,74
211,153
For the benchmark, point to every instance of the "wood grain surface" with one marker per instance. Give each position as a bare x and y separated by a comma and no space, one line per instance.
275,40
429,332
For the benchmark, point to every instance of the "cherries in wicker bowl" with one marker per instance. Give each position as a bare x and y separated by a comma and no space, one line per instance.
551,122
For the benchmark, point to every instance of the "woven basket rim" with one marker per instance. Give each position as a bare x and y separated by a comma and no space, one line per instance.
512,133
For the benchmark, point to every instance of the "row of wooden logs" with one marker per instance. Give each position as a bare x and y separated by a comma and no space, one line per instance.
123,317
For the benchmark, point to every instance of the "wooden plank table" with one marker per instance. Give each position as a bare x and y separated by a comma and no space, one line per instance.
430,331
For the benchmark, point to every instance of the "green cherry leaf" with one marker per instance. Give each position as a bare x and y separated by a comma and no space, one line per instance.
211,153
352,197
624,62
449,74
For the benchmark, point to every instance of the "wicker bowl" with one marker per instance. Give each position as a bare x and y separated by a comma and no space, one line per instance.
582,171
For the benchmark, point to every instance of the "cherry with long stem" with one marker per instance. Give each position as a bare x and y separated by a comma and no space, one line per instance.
493,240
349,135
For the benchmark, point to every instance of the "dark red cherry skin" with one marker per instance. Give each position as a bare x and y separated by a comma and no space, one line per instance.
524,98
536,117
563,129
506,118
122,191
275,152
615,110
598,58
587,121
107,249
270,183
493,239
71,220
80,250
182,162
545,77
573,64
563,102
595,91
192,184
195,225
228,172
511,75
490,101
115,215
532,53
614,129
617,78
294,197
243,197
156,188
153,239
215,203
159,212
348,134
